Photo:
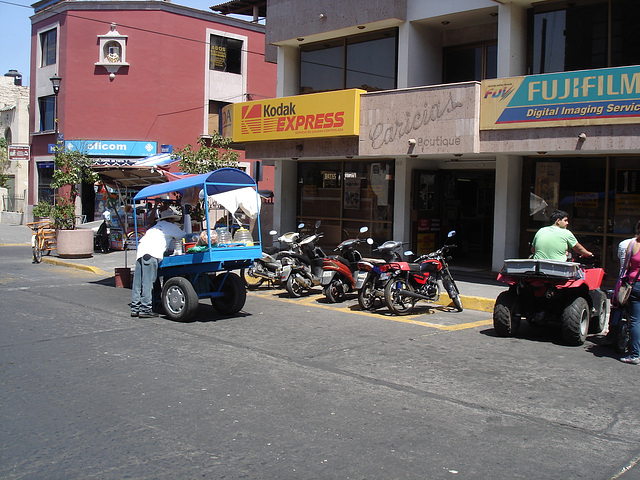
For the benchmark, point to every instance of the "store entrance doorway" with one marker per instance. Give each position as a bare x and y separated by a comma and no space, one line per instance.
460,200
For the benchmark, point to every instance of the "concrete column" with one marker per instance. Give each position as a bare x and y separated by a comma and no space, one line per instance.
512,40
402,199
419,56
285,187
506,215
288,72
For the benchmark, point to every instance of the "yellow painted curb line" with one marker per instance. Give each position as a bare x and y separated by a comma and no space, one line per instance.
14,244
77,266
472,303
486,303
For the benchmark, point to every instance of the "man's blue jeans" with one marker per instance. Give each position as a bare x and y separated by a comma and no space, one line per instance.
144,276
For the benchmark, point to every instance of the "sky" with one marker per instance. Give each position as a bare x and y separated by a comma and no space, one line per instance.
15,33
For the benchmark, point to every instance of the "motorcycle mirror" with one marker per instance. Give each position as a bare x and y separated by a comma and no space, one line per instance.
300,226
408,253
318,223
364,229
273,232
451,233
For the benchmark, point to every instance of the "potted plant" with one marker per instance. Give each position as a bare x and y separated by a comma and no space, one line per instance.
42,210
72,167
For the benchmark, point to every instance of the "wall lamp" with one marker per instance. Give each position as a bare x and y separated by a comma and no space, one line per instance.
412,141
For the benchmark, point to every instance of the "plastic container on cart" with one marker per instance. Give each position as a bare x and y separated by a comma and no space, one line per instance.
243,236
223,235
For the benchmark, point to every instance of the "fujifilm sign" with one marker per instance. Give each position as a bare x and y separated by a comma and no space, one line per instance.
124,148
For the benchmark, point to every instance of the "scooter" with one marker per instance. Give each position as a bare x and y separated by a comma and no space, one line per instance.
555,293
373,274
101,237
337,270
306,267
418,280
269,268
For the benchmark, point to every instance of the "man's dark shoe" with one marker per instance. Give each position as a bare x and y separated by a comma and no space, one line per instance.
135,314
148,315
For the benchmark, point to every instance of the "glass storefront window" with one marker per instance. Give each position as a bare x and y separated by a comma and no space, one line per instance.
567,37
598,220
464,63
347,195
367,61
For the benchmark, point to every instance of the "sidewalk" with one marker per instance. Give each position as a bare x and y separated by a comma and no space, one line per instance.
478,289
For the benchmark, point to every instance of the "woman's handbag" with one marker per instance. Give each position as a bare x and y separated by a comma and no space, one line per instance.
624,290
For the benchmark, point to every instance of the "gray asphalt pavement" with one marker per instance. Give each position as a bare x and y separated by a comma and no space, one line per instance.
295,389
478,289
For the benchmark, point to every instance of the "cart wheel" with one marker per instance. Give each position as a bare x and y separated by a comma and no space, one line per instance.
37,253
179,299
235,293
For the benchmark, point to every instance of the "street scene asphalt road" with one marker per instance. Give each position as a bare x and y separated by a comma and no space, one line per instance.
295,388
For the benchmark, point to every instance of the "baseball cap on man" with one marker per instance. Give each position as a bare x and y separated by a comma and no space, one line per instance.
170,213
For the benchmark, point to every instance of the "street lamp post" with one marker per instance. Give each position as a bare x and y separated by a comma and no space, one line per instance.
55,82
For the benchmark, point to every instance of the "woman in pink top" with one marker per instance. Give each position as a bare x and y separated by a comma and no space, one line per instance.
632,269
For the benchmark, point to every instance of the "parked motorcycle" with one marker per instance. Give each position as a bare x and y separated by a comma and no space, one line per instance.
418,280
269,268
373,274
549,292
306,267
337,270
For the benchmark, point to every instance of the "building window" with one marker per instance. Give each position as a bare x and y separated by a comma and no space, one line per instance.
465,63
47,107
367,61
215,116
48,45
225,54
582,37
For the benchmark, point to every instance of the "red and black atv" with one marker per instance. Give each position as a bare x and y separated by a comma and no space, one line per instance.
549,292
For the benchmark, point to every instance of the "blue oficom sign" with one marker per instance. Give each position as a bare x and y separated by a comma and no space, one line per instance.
122,148
600,96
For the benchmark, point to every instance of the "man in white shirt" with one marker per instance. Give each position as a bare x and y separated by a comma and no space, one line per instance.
151,250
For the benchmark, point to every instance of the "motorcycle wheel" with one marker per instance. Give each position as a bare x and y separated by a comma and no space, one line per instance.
575,321
367,296
251,280
335,291
293,287
398,303
506,322
621,337
452,290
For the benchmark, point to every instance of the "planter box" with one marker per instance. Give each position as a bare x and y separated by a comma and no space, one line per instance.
75,243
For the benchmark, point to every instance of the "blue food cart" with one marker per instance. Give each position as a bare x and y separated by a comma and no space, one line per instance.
185,278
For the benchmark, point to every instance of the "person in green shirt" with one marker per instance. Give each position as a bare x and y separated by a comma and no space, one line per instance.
553,242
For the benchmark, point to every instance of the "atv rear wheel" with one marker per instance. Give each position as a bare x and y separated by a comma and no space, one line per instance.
506,321
575,321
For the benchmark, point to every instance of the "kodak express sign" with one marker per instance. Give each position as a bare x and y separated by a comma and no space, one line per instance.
328,114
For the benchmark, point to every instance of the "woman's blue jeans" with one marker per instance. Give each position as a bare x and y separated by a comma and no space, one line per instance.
144,276
634,321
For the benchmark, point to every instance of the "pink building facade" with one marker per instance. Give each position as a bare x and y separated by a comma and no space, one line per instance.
138,78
